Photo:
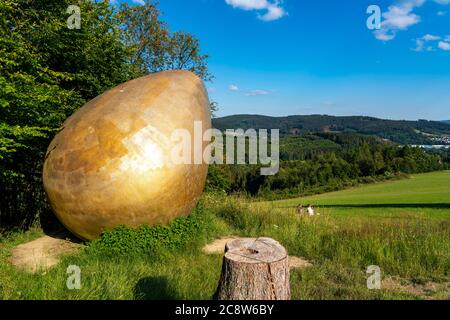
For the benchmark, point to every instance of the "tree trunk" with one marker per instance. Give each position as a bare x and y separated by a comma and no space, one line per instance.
254,269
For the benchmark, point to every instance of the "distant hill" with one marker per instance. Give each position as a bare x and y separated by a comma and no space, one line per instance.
400,131
446,121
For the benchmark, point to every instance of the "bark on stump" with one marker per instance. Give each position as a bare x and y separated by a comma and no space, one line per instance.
254,269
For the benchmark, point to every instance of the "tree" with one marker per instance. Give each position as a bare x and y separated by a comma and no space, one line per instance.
154,47
214,107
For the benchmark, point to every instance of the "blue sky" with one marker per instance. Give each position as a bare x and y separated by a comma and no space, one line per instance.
319,57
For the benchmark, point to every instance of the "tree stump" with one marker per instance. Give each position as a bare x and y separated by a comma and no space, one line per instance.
254,269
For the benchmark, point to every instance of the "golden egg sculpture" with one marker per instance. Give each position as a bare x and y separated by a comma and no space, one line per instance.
111,163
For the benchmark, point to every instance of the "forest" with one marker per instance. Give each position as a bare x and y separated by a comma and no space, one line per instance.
399,131
323,162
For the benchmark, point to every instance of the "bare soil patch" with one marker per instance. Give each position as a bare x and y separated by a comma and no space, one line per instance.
41,254
429,290
298,262
217,246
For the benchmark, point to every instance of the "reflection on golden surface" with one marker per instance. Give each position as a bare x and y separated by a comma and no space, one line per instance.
110,165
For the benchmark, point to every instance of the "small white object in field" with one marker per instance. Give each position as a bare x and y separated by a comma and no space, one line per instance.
310,211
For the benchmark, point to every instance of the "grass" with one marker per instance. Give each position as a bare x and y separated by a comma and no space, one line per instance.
401,226
424,191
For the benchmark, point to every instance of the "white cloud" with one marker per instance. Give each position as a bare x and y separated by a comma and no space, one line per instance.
274,9
257,92
421,43
444,45
248,4
430,37
274,12
141,2
399,16
233,87
384,35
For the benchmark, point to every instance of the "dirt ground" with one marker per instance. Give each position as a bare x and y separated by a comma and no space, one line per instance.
42,253
429,290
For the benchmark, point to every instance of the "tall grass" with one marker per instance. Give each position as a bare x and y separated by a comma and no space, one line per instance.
409,247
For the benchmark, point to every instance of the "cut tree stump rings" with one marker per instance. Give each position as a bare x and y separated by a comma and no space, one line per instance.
254,269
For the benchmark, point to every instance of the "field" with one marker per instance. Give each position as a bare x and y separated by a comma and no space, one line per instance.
401,226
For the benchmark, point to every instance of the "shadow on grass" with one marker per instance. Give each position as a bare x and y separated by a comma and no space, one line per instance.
52,227
389,205
153,288
381,205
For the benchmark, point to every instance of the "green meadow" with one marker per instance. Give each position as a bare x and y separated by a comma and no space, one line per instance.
423,195
401,226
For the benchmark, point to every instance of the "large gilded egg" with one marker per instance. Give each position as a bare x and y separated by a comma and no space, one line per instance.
111,162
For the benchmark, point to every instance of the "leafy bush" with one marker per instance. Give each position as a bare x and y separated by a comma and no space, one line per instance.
217,181
155,240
